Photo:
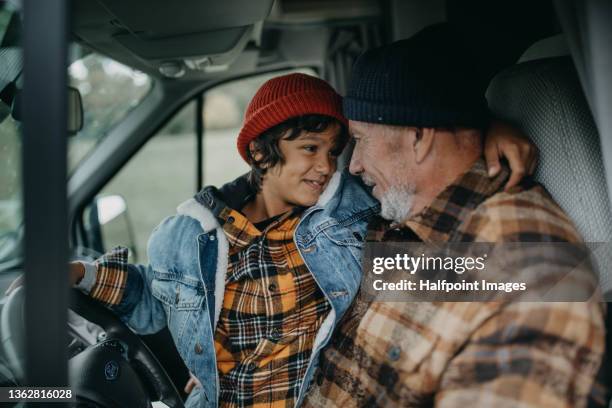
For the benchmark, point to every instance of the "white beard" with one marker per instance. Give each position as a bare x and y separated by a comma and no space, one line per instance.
396,203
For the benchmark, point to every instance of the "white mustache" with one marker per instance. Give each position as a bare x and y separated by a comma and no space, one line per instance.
367,180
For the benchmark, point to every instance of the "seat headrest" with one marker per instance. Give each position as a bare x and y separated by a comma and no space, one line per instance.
555,46
545,99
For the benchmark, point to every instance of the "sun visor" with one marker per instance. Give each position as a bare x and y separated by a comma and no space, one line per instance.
204,35
186,45
163,18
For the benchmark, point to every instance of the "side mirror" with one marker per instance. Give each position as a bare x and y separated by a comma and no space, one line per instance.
75,110
106,222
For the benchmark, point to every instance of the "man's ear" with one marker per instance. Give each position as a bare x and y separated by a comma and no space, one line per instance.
423,143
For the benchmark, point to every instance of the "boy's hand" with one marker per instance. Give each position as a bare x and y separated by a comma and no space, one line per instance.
503,140
76,271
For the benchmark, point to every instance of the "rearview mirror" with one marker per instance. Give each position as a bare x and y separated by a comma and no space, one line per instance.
75,110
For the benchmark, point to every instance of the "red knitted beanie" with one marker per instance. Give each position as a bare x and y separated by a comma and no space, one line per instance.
285,97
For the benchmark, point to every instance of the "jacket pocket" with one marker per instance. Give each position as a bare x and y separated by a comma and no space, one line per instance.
344,237
347,240
176,293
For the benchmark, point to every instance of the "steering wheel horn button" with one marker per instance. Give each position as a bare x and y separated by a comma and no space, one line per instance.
111,370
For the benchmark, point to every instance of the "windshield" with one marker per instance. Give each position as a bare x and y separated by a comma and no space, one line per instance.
109,91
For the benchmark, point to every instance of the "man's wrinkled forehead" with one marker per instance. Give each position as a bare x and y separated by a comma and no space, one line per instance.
357,128
365,129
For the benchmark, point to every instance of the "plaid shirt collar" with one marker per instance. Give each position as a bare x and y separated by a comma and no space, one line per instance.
226,203
241,233
441,219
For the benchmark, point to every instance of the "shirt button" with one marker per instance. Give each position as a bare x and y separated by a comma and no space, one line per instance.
198,348
231,219
394,353
251,366
275,334
272,287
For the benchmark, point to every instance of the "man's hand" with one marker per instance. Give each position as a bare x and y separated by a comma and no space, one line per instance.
503,140
75,269
192,383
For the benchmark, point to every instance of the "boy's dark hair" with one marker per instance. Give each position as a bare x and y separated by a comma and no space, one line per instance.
267,142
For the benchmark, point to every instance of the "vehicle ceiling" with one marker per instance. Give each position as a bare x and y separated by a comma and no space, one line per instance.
205,38
217,39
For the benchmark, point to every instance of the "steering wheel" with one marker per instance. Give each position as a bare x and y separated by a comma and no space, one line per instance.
122,346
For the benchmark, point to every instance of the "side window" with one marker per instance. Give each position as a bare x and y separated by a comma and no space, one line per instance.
224,108
148,188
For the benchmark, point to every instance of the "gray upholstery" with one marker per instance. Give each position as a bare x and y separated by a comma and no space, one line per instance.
544,99
555,46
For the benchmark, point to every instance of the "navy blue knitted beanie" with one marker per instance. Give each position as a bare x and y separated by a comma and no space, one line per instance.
428,80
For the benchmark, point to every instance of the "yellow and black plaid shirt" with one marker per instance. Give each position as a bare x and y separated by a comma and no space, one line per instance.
272,310
468,354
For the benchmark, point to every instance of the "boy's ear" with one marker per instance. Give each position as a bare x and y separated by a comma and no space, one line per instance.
255,152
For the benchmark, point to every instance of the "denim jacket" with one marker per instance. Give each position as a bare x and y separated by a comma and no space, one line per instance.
183,285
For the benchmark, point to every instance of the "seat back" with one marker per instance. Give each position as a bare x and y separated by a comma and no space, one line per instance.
544,98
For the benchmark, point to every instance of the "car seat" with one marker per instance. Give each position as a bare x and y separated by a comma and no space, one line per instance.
542,95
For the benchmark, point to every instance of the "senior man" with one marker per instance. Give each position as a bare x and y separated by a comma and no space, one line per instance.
416,115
